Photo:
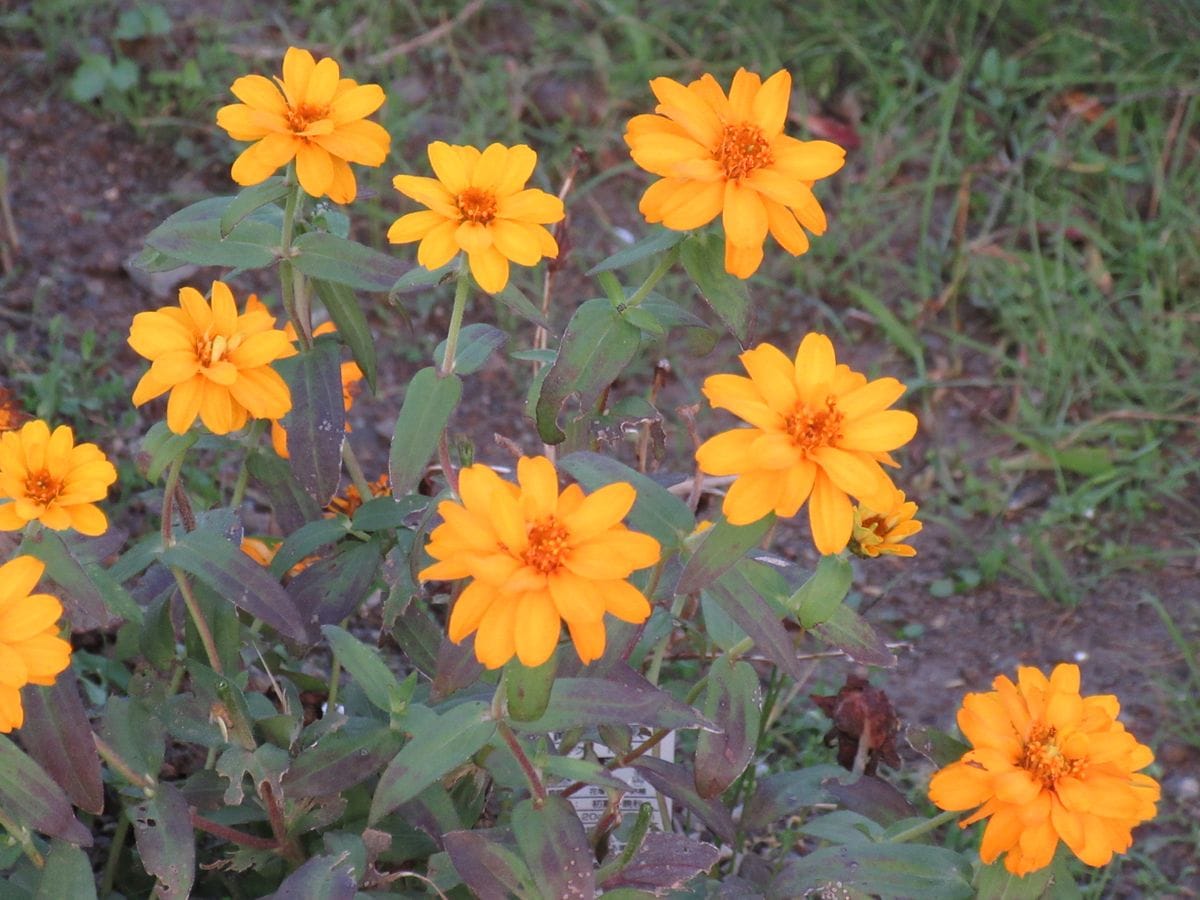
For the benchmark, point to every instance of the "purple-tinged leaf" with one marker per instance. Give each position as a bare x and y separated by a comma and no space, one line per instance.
327,877
872,797
58,734
237,578
733,701
665,862
162,827
419,638
783,793
91,598
341,759
848,631
331,589
457,668
677,782
739,600
555,847
721,548
886,870
29,797
489,865
346,313
316,425
291,504
620,696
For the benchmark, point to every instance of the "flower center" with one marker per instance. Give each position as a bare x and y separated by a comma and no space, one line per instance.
547,544
1043,758
876,524
743,148
211,350
42,487
477,205
811,428
300,118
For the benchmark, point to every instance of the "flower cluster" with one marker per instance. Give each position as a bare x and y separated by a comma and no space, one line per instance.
46,477
537,558
818,433
1047,764
31,651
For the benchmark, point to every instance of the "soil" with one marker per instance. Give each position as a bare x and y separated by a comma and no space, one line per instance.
85,192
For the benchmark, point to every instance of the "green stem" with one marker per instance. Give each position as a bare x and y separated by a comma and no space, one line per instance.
110,756
356,472
922,828
169,488
461,289
531,774
24,837
120,833
239,487
197,614
288,276
664,266
660,649
335,679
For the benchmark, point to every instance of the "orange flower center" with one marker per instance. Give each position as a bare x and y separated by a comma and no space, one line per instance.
1044,759
547,545
477,205
300,118
210,350
876,524
812,428
743,148
42,487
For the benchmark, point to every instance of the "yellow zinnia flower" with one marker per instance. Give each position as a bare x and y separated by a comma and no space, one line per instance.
729,156
47,477
31,652
817,428
1047,764
881,533
538,558
312,115
351,376
478,203
215,363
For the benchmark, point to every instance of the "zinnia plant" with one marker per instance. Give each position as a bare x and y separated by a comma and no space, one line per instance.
31,652
46,477
351,378
818,432
311,115
1047,764
728,156
478,204
215,363
537,558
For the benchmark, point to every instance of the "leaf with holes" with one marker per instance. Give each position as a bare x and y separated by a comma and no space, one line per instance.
733,701
555,848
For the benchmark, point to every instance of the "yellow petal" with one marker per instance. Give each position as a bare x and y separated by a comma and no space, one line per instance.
589,640
539,631
262,392
469,609
625,601
517,240
35,613
742,262
744,216
517,169
539,487
490,269
751,497
785,229
830,515
600,511
770,104
184,404
414,226
260,93
261,160
298,65
428,192
531,205
438,246
449,167
495,639
18,578
815,364
727,453
314,168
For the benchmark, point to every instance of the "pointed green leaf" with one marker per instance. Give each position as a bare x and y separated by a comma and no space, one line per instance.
722,546
162,447
555,848
252,198
331,258
193,235
657,241
331,589
742,603
68,873
476,344
91,597
341,759
516,302
428,404
886,870
704,258
819,597
850,632
346,313
489,865
366,666
733,702
623,696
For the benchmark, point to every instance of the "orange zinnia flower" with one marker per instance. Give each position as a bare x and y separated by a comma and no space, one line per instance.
46,477
538,558
215,363
882,533
817,429
312,115
478,203
1047,764
728,156
31,652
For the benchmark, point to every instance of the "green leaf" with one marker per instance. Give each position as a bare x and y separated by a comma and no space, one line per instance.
367,668
476,343
733,701
166,844
677,782
316,425
163,446
571,768
516,302
90,79
341,759
662,865
657,241
487,862
68,873
622,696
995,882
555,847
818,598
527,689
388,512
428,404
305,541
237,578
938,747
292,505
332,589
131,730
848,631
328,877
331,258
252,198
722,546
656,511
596,346
59,735
420,277
884,870
738,599
91,597
193,235
644,319
438,746
783,793
30,798
346,313
704,258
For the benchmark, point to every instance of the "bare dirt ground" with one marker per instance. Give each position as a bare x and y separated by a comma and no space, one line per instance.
84,194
